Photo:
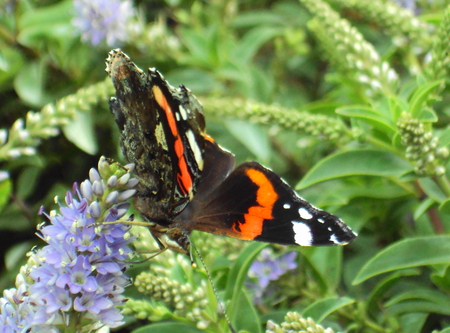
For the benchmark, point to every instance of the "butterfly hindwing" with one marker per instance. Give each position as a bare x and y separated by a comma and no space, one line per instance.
254,203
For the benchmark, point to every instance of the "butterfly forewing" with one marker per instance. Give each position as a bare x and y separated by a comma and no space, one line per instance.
162,129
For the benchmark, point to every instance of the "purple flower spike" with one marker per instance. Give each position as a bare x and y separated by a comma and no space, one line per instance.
269,269
103,20
77,278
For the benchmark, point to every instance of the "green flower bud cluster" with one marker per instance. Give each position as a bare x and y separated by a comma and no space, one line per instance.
438,66
398,22
144,310
21,139
421,147
181,299
209,245
329,129
350,55
294,323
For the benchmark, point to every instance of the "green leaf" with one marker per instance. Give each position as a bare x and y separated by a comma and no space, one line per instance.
413,322
322,107
198,46
81,132
168,327
370,116
46,22
244,316
29,84
319,310
432,190
424,294
327,262
27,181
5,192
239,270
252,41
417,306
404,254
442,279
353,163
444,137
378,292
420,96
423,207
256,18
396,107
16,255
428,116
12,62
253,137
47,15
445,206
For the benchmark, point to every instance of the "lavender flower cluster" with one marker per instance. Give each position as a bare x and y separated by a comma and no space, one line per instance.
103,20
75,283
266,269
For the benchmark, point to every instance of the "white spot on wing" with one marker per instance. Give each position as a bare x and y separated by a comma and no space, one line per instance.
336,241
286,206
321,220
304,214
177,115
183,112
195,149
303,234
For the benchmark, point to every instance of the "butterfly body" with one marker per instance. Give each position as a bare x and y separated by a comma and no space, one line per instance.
188,182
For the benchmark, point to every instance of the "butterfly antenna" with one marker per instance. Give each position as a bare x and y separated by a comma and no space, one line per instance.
222,307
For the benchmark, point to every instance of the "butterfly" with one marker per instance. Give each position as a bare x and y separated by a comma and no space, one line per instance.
189,182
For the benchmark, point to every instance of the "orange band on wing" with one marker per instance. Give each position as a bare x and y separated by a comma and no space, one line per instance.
184,179
266,198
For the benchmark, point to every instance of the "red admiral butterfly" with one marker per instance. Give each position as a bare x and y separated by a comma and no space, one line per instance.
188,182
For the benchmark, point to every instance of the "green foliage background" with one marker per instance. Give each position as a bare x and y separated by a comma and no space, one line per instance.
345,99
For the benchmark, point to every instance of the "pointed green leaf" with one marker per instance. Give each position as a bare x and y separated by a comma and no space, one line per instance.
413,322
239,270
319,310
370,116
5,192
253,137
420,96
404,254
378,292
168,327
29,84
445,207
327,262
428,116
244,316
252,41
423,207
81,132
356,162
432,190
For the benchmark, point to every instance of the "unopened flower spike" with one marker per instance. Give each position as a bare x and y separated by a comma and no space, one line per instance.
348,52
75,283
295,323
422,147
